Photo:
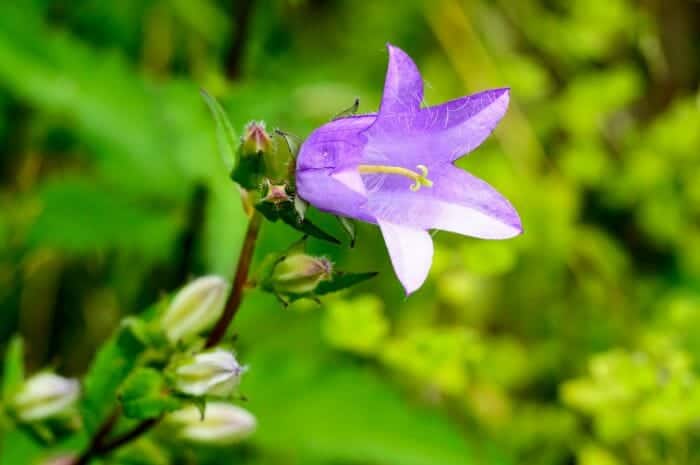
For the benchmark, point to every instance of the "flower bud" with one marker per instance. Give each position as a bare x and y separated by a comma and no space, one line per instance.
256,141
299,274
222,424
45,395
215,372
256,145
195,307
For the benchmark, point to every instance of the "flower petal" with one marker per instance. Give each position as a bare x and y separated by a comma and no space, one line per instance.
457,202
403,86
411,253
438,134
335,144
323,191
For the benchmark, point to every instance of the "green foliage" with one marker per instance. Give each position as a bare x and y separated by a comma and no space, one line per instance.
110,368
575,343
356,325
144,395
13,368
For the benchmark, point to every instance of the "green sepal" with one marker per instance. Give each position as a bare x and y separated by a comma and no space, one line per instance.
287,212
342,280
148,333
349,227
249,172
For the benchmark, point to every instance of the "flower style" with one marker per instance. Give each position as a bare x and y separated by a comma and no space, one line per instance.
394,168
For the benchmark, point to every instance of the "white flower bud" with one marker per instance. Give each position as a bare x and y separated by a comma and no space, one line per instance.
195,307
223,424
214,373
45,395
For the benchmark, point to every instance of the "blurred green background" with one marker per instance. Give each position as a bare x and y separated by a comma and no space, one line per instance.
574,343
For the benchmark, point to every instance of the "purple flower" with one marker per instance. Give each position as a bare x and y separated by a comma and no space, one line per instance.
395,168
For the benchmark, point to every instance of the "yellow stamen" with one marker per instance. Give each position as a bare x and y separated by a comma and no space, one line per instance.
420,179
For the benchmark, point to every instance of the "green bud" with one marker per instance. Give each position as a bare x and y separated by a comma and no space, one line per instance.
256,145
256,140
195,308
299,274
262,157
215,373
221,424
45,395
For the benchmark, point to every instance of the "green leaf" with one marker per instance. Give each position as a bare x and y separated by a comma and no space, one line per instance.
13,371
145,395
17,447
288,213
113,363
79,216
226,138
294,393
343,280
292,218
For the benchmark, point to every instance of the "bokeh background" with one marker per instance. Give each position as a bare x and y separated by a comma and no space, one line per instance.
574,343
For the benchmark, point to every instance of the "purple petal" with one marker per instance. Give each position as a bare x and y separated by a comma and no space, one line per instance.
437,134
325,192
403,86
457,202
334,144
411,253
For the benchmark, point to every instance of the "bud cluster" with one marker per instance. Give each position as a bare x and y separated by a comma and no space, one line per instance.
195,373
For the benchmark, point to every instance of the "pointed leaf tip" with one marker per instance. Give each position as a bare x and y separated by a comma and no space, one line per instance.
226,138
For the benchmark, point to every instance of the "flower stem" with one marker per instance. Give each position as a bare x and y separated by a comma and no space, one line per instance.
99,445
239,282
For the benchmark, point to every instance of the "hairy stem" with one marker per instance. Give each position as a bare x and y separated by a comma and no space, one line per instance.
99,445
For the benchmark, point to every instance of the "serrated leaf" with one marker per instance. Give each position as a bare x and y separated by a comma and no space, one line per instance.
145,395
342,281
13,370
111,366
226,138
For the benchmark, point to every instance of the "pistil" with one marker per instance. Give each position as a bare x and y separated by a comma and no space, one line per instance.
420,179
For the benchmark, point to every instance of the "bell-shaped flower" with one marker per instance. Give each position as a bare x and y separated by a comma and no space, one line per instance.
395,169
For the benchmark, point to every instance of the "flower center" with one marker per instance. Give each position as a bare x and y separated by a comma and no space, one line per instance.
420,179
